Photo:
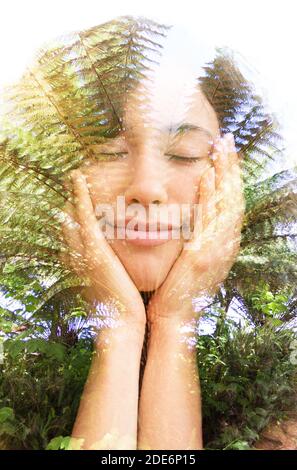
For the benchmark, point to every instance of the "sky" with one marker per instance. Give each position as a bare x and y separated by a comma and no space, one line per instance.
262,32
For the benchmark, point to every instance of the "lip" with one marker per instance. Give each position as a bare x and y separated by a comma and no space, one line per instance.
149,238
145,236
139,225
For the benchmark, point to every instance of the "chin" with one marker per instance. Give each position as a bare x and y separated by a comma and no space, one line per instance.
148,267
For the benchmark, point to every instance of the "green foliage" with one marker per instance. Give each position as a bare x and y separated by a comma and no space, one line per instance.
247,379
241,111
68,101
40,388
59,443
64,443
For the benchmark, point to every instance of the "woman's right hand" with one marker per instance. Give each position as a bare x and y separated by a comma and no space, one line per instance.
116,296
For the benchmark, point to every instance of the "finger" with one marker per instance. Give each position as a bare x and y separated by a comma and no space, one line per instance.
98,253
232,193
220,160
75,247
207,195
194,243
230,149
230,215
230,200
91,231
70,218
71,229
229,220
221,164
233,174
72,238
205,212
67,183
225,155
228,175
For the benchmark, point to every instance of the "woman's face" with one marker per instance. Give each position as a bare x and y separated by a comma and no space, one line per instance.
152,167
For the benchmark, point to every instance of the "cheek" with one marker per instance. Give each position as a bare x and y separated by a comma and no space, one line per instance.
105,183
183,186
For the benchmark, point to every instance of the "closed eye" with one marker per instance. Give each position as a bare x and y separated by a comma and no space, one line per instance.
110,155
114,153
182,159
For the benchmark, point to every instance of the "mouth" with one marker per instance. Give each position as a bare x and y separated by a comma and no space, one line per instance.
145,234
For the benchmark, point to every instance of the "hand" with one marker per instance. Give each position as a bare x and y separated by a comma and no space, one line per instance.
90,255
207,258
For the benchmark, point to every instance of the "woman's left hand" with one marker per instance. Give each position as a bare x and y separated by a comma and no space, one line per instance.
207,258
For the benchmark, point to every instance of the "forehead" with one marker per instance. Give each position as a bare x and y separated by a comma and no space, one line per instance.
171,98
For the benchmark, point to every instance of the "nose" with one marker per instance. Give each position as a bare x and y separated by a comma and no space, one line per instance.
147,185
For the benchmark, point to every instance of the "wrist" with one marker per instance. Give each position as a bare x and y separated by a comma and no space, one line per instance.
174,333
192,308
113,312
122,333
173,319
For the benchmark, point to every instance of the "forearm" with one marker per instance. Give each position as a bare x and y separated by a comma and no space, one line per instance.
107,416
170,403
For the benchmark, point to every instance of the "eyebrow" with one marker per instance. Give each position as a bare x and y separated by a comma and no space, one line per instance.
175,129
184,128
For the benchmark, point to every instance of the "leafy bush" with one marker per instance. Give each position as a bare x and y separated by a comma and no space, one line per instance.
247,379
246,376
40,388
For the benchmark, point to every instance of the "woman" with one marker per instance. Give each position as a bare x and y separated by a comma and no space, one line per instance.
153,218
167,155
